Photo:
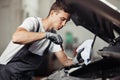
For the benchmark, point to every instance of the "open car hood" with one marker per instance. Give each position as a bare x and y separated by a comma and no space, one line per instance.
95,16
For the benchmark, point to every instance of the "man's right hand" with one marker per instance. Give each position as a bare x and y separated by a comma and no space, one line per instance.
56,38
78,59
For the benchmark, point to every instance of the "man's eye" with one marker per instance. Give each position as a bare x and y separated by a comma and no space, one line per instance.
62,19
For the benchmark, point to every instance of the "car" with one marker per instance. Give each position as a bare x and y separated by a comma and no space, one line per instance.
104,22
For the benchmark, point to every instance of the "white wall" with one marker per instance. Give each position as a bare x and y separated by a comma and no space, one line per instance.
30,7
44,6
36,7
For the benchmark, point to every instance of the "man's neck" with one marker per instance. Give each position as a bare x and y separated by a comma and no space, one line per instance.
47,24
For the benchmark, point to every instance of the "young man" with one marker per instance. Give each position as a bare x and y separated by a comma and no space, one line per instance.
30,42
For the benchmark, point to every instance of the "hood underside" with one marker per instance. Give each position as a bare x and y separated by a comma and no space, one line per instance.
95,16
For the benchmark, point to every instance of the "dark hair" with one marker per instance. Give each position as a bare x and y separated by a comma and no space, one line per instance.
59,5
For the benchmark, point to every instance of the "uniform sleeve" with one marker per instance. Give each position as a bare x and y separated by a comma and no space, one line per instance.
54,47
28,24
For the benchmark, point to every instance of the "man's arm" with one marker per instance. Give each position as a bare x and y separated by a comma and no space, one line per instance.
22,36
64,59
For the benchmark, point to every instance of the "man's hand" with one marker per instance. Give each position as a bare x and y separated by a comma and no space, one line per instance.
56,38
78,59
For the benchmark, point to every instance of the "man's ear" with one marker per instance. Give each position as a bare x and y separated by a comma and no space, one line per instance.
51,12
54,12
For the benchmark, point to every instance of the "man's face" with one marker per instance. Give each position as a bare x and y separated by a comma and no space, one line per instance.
59,19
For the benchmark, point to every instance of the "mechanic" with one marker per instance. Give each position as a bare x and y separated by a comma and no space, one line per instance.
32,39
